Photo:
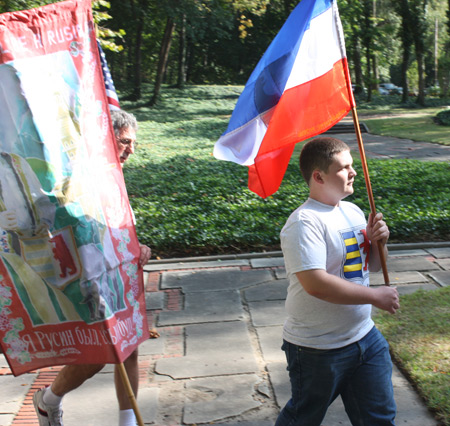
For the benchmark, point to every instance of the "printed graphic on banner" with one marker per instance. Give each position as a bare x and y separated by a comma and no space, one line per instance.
70,289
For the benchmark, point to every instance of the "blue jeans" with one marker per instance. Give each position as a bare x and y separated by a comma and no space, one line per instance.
361,373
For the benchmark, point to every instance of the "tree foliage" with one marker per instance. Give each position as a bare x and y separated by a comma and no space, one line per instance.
220,41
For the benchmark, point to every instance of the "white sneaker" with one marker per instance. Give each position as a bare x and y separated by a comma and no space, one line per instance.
47,416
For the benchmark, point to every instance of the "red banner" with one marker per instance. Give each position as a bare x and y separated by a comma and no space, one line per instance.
71,291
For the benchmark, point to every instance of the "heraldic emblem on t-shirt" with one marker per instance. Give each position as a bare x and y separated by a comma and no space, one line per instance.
355,263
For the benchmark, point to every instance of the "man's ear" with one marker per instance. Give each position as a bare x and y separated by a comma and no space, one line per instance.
317,176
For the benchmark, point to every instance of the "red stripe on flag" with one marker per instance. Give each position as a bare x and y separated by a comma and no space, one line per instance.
265,176
113,102
303,111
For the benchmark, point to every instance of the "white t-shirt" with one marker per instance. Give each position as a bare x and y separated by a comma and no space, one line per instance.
319,236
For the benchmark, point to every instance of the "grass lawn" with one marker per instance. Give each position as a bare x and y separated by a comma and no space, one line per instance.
415,125
419,336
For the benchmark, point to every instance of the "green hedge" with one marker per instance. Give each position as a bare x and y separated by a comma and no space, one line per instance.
443,117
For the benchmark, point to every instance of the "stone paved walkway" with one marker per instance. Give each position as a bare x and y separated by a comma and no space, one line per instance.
383,147
218,360
392,148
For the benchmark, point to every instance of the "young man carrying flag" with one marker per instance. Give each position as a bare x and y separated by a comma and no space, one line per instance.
300,88
331,343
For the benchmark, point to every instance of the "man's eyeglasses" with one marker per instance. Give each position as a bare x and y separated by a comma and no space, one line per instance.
127,142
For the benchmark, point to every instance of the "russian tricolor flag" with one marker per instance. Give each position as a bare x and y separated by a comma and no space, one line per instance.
299,89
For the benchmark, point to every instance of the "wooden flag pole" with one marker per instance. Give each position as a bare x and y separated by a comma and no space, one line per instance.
130,393
369,190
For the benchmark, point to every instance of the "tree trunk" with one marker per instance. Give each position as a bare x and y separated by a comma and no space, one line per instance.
130,53
368,75
357,67
405,65
448,18
406,35
420,66
375,71
374,54
418,28
138,59
163,57
418,15
190,57
367,40
181,79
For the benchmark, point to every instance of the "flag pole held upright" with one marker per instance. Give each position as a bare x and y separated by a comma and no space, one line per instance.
363,156
369,189
130,393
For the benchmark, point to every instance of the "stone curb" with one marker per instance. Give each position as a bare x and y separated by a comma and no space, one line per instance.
391,247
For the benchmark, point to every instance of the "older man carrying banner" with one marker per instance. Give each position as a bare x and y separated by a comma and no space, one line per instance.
48,401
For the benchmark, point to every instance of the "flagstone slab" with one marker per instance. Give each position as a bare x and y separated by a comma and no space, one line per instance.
410,409
212,350
154,300
440,252
279,377
398,278
3,362
12,391
267,262
223,279
280,273
7,419
95,403
216,398
444,263
270,341
205,306
154,346
274,290
267,313
408,253
195,265
441,277
410,264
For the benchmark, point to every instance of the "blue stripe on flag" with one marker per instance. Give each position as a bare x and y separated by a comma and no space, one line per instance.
268,80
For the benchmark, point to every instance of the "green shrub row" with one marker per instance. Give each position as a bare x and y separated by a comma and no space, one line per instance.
443,117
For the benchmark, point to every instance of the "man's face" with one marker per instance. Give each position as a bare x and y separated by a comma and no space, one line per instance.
340,176
126,143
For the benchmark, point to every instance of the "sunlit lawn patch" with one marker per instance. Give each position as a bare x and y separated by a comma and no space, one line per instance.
418,126
419,336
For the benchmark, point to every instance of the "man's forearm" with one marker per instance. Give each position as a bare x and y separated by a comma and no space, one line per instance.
330,288
324,286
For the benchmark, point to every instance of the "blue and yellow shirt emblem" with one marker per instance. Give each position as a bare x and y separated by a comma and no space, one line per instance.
353,263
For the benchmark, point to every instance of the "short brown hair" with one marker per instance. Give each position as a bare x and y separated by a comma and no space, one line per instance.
318,154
